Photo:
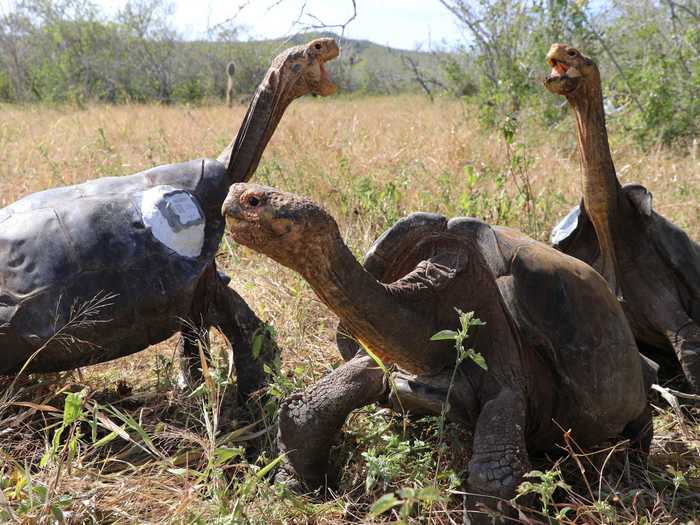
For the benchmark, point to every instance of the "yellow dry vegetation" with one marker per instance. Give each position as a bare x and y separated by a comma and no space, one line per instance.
324,145
368,161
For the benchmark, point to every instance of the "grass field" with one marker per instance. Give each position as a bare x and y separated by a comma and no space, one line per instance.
368,161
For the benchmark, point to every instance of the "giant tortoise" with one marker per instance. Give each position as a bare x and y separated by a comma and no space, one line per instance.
559,351
648,261
103,269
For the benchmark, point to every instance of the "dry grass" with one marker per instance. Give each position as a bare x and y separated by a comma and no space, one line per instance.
369,161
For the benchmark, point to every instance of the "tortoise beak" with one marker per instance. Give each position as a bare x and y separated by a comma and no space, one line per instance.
564,78
231,209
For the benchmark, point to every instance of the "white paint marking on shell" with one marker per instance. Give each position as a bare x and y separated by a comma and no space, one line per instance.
565,227
5,214
174,218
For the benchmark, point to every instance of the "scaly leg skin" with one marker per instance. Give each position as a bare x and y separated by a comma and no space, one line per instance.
239,324
309,422
686,343
191,336
499,458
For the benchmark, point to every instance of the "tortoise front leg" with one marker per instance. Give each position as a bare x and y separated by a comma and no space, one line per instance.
499,458
191,336
309,422
239,324
686,344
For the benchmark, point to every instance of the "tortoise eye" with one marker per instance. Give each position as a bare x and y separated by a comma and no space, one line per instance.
571,52
253,201
318,46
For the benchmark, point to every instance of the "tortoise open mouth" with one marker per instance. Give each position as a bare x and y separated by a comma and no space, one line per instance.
331,51
324,73
327,86
563,78
559,68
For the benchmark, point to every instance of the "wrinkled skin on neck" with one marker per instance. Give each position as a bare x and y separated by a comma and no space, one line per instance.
302,236
545,365
293,73
577,78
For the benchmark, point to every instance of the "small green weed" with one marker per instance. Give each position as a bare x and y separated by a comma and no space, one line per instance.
380,203
546,484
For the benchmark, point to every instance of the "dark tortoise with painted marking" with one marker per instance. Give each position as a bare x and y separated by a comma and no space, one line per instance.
559,351
100,270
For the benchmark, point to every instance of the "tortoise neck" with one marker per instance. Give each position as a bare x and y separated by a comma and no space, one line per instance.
600,184
384,323
242,156
601,189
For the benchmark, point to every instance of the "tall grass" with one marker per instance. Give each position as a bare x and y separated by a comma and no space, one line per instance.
143,452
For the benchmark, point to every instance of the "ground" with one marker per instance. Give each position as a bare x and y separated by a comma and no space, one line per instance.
135,449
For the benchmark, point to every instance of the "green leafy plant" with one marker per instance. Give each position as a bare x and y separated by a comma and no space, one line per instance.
546,484
72,415
385,465
31,499
380,202
466,321
409,501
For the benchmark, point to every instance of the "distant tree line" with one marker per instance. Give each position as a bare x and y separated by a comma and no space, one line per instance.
649,52
71,51
68,50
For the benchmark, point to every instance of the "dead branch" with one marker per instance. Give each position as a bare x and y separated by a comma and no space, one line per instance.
419,76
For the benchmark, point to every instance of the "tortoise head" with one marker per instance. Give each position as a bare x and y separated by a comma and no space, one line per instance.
303,67
572,72
290,229
293,73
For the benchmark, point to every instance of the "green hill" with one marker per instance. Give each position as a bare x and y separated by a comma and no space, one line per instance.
80,59
363,65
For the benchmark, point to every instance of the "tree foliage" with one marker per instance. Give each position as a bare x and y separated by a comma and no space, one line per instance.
648,52
69,50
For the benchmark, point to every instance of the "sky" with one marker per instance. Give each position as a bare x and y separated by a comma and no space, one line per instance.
403,24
